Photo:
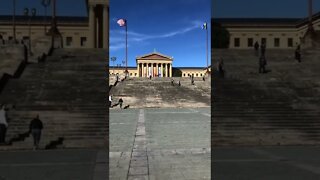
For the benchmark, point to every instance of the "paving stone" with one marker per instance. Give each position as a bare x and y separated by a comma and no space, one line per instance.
168,148
138,170
138,178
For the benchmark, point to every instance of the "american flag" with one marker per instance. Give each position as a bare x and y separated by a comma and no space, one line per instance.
121,22
204,26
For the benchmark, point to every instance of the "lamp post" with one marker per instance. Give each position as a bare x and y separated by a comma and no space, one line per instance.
33,14
45,4
14,21
113,59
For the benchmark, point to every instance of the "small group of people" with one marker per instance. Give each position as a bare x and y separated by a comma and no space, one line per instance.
35,127
172,82
262,48
120,102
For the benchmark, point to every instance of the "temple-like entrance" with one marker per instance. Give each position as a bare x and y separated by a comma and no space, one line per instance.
154,65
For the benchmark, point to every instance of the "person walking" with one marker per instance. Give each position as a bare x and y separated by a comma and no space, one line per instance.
262,64
192,80
221,67
263,48
110,101
298,54
3,124
120,103
256,48
36,127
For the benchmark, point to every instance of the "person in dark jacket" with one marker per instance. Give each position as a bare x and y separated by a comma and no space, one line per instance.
298,54
120,103
263,48
262,64
36,127
256,48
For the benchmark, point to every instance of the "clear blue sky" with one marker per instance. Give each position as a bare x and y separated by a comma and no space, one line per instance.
172,27
64,7
262,8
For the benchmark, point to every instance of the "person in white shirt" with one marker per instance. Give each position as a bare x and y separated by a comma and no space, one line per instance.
3,124
110,101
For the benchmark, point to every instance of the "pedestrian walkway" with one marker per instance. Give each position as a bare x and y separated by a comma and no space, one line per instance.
160,144
54,165
265,163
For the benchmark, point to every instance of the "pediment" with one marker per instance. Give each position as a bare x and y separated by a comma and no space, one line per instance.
155,56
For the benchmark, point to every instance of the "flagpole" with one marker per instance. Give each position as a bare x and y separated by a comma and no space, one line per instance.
207,49
126,48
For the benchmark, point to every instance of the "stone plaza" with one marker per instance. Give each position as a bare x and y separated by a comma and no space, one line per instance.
166,143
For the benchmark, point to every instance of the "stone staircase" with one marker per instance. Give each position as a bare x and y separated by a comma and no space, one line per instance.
159,92
280,107
69,93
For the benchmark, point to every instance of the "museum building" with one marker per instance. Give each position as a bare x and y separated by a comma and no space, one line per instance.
278,33
77,32
156,64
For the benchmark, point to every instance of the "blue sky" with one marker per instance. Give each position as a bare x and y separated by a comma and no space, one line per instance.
262,8
172,27
63,7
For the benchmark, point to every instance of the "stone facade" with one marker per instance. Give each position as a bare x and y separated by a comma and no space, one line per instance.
157,65
77,32
278,33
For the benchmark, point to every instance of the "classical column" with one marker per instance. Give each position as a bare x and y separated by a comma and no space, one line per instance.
138,69
152,69
105,26
170,70
91,26
142,69
162,70
166,70
147,69
157,70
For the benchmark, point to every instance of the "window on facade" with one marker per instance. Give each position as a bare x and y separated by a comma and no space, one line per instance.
200,74
130,74
290,42
250,42
68,41
197,75
83,41
236,42
276,42
135,74
184,75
